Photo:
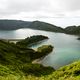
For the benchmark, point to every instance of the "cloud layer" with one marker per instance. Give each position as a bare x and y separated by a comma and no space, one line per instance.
39,8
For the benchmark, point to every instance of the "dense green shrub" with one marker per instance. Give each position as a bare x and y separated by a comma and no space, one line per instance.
45,49
36,69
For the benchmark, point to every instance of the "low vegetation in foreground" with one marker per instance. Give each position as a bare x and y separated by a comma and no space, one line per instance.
16,64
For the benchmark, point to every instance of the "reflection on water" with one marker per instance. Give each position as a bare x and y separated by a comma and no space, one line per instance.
67,47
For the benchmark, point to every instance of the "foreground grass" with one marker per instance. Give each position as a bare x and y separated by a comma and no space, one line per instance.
25,72
69,72
38,72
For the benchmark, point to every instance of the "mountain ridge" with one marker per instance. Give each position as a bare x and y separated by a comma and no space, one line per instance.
17,24
38,25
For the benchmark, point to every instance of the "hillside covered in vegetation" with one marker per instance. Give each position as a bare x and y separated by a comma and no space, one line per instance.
16,63
38,25
17,24
31,40
73,30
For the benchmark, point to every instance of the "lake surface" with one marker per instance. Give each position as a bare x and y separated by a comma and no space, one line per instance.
66,47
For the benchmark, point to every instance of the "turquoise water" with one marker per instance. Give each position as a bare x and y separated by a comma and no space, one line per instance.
66,47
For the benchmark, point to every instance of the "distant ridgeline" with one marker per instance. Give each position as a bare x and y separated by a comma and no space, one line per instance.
72,30
17,24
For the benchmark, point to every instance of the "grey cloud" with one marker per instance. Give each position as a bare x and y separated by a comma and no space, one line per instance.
57,7
8,7
68,5
16,6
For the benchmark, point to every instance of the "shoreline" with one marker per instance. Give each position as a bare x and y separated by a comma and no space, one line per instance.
11,40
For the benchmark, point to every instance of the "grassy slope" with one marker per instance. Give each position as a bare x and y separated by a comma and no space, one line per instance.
15,64
69,72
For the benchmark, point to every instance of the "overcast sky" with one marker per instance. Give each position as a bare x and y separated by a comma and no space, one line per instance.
59,12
